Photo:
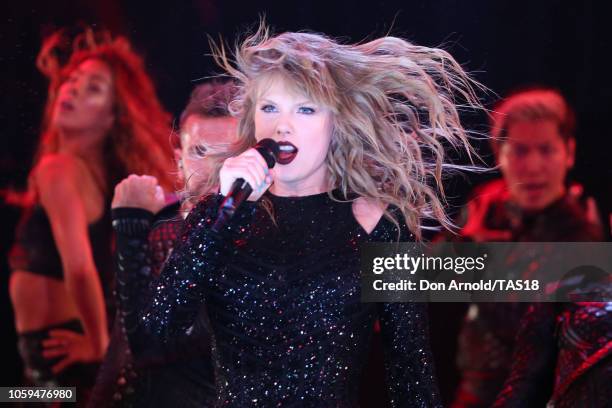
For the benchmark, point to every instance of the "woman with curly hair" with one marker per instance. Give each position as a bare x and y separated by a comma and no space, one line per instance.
361,131
102,122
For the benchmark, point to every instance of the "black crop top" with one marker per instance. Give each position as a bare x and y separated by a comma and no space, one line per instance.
35,250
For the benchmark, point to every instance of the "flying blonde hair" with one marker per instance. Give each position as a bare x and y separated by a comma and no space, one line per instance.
395,111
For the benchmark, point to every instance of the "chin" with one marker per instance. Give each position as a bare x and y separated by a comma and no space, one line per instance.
57,120
288,173
534,204
63,123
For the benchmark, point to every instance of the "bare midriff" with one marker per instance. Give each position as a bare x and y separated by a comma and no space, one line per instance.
39,301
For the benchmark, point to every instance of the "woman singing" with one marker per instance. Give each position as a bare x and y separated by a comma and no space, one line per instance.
102,122
361,130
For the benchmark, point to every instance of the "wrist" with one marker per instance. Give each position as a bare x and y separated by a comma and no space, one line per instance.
132,221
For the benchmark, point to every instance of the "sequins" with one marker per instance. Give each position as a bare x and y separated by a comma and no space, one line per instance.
283,302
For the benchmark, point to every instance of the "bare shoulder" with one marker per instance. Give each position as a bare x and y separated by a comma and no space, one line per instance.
58,175
57,167
368,212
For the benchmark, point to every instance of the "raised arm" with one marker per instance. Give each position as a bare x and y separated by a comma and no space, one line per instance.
57,180
162,327
135,202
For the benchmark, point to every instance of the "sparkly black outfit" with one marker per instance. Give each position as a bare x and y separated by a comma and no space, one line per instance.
489,333
183,379
283,301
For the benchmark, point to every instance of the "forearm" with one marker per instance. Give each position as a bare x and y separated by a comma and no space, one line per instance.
159,327
134,272
132,227
409,361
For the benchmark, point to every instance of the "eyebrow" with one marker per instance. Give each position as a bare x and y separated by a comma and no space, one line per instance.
98,77
304,102
95,77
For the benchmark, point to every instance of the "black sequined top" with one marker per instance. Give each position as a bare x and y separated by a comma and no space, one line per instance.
283,300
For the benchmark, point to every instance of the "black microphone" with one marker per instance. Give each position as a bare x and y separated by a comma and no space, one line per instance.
241,190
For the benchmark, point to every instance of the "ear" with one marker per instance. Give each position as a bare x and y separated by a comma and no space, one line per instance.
495,150
177,156
497,153
570,145
179,165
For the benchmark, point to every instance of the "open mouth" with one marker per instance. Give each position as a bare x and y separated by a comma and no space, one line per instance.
67,106
286,152
534,187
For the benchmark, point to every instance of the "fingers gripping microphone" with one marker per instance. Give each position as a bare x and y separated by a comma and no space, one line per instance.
241,190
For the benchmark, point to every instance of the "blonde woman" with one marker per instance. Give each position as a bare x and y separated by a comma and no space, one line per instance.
281,281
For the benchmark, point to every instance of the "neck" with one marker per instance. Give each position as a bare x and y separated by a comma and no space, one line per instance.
300,189
71,142
91,154
315,183
291,191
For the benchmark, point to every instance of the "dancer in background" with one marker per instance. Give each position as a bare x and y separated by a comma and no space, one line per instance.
185,377
102,122
281,281
533,140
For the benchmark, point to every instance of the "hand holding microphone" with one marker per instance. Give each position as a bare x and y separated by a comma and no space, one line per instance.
245,176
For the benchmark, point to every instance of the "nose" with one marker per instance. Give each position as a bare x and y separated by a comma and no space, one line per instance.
283,129
534,162
70,88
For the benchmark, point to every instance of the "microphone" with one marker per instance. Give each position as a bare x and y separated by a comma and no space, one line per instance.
241,190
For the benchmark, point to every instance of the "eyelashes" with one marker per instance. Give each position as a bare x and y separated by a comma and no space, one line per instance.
306,110
201,150
198,150
268,108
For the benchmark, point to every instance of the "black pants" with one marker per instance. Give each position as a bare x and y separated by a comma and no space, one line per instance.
37,369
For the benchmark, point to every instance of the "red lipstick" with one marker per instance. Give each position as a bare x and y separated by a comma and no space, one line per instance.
287,152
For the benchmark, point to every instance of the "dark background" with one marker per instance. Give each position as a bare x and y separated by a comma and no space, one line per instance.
505,44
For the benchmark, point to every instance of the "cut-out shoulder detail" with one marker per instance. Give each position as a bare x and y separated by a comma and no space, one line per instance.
368,213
